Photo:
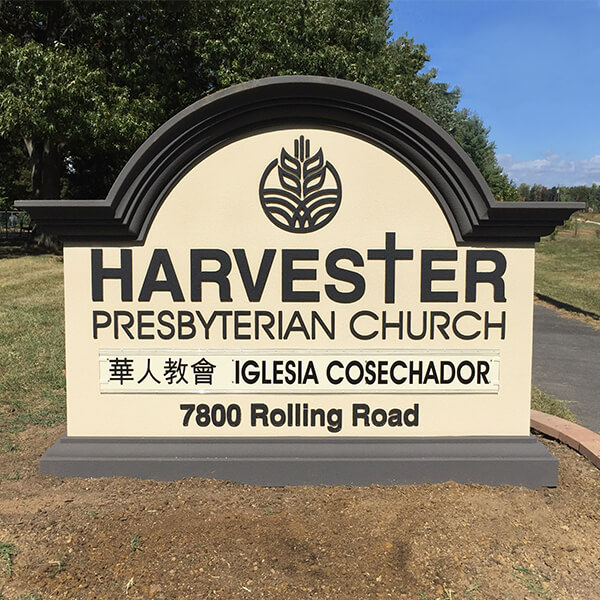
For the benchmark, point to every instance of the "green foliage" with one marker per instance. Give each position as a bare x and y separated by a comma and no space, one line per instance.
7,552
135,543
590,194
531,582
83,83
470,132
52,93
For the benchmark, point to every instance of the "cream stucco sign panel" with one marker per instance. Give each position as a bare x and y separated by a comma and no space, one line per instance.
300,282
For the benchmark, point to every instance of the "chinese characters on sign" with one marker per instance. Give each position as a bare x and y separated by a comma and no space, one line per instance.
122,369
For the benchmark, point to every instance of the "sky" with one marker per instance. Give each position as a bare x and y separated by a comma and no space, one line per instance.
529,68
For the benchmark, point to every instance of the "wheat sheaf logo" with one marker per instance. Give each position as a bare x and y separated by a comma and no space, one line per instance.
300,193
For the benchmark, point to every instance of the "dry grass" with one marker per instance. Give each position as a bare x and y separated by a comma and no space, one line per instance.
568,265
32,380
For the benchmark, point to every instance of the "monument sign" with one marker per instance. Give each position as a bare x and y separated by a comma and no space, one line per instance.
300,280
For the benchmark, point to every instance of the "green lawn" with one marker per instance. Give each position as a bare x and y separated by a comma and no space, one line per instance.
32,348
567,266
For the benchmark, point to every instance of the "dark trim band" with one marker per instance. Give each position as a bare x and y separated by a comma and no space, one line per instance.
290,102
513,460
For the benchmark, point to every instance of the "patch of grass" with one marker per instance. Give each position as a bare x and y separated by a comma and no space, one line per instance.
32,380
472,589
59,564
530,581
7,552
547,403
135,543
31,597
10,446
567,265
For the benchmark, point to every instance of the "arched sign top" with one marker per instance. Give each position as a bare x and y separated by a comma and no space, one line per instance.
292,102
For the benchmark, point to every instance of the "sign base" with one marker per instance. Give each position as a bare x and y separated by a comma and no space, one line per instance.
515,460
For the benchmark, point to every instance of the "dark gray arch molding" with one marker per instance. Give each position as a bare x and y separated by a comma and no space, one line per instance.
298,101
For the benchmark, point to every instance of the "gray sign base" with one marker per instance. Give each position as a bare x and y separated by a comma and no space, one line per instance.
309,461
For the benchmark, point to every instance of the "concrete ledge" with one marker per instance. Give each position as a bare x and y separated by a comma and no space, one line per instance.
579,438
309,461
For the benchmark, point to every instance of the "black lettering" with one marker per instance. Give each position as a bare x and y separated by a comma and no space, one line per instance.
429,275
198,276
125,326
360,412
330,378
100,273
465,336
258,315
465,379
418,372
483,368
296,323
399,324
277,417
411,416
317,413
431,373
379,417
395,418
441,326
445,365
170,327
394,378
382,372
278,372
390,254
238,324
358,378
355,317
411,334
254,289
316,318
290,376
489,325
185,320
473,276
334,420
259,412
100,325
370,372
145,324
160,259
352,277
289,274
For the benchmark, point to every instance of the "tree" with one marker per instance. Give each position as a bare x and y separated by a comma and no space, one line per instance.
523,191
57,103
14,174
469,131
82,83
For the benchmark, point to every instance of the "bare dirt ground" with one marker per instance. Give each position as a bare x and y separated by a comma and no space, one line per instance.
125,538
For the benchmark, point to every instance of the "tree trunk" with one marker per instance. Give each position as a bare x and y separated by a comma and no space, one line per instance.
46,163
45,160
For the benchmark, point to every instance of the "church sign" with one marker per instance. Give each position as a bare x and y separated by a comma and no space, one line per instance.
300,280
